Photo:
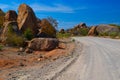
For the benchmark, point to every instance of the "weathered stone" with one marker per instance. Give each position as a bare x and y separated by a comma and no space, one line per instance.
10,16
7,26
27,19
2,14
43,44
28,50
21,49
46,29
77,30
82,25
107,29
92,31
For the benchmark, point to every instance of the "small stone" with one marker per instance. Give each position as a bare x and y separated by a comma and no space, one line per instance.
21,64
41,56
39,59
28,50
21,49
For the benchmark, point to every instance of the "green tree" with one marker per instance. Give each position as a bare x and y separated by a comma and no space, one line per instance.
83,31
28,34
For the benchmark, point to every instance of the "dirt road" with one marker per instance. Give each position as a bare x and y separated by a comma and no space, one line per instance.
100,60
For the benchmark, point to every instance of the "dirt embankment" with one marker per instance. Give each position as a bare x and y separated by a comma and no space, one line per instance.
12,61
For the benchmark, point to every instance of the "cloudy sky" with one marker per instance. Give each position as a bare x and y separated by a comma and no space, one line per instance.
71,12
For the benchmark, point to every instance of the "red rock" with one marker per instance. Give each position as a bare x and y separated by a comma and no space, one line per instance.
92,31
11,15
43,44
27,19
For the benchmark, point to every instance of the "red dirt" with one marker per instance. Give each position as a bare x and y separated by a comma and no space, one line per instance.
10,60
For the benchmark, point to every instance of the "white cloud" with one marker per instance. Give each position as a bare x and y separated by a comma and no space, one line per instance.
4,6
45,8
55,8
7,7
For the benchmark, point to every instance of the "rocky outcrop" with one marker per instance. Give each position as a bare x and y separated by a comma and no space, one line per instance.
106,29
10,16
46,29
103,30
2,14
81,25
7,26
92,31
38,22
9,23
27,19
62,31
79,30
42,44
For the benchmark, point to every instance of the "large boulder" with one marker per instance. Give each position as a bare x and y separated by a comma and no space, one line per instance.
2,14
27,19
42,44
46,29
7,26
10,22
10,16
92,31
107,29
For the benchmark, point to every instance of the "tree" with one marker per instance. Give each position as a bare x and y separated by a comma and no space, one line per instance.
53,22
28,34
12,38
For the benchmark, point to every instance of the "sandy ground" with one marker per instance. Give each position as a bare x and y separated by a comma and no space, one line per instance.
21,66
99,60
92,58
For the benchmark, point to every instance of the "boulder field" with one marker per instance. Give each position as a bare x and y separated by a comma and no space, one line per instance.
25,19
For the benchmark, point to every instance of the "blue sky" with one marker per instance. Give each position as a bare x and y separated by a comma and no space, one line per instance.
71,12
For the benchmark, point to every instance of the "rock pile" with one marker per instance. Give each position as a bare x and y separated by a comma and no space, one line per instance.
26,19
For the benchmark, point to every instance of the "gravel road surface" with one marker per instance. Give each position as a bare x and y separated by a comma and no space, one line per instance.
99,60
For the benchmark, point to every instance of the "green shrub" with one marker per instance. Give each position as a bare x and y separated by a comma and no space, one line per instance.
65,35
83,31
103,34
13,39
1,47
119,34
113,34
115,25
28,34
73,40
